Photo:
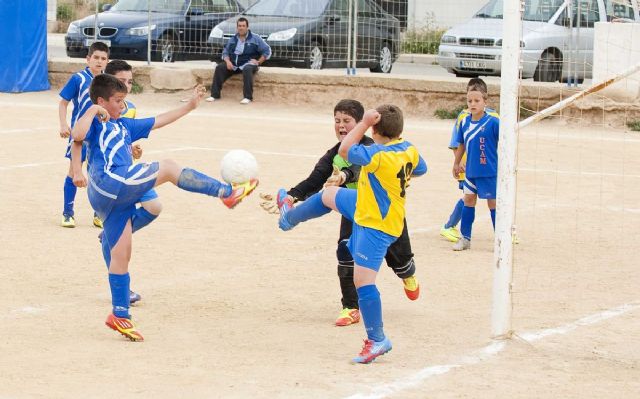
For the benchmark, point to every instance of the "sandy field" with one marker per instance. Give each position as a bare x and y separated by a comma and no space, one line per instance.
235,308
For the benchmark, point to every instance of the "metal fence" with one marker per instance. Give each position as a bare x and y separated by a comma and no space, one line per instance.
304,33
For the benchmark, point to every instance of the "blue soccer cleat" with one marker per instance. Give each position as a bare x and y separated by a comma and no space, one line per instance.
284,205
134,297
372,349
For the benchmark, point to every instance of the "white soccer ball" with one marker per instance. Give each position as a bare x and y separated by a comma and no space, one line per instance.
238,166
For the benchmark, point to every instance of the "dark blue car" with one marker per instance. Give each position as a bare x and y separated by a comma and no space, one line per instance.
179,29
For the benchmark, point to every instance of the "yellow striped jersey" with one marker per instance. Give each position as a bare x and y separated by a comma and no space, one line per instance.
386,169
129,111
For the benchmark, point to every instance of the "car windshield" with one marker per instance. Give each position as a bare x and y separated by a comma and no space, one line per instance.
534,10
168,6
288,8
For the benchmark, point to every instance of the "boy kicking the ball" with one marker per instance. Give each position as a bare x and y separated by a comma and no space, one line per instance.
115,184
376,209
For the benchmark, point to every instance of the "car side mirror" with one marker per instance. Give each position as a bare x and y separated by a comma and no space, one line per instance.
106,7
196,11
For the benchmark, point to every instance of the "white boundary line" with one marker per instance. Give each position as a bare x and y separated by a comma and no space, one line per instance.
387,389
313,156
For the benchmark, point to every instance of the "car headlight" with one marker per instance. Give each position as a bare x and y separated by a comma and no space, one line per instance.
73,28
216,33
282,35
140,30
447,39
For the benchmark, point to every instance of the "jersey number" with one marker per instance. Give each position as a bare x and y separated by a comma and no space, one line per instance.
404,175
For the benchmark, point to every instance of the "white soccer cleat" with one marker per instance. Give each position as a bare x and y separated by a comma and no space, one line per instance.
245,101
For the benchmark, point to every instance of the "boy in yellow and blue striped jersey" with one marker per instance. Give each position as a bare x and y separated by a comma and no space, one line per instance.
377,209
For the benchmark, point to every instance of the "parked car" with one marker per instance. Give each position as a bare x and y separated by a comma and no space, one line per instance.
315,33
557,39
179,28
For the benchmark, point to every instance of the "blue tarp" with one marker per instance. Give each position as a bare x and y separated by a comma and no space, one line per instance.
23,46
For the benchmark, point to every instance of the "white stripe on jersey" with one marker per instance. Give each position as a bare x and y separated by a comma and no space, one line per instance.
134,181
472,132
101,191
83,96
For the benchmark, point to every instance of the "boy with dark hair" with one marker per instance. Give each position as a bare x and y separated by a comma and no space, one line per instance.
77,91
333,170
116,184
376,209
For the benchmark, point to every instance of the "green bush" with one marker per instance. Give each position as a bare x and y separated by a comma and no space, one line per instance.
136,88
634,126
424,40
442,113
64,13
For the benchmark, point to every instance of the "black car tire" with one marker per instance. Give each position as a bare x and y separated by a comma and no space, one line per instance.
167,48
315,56
385,60
549,68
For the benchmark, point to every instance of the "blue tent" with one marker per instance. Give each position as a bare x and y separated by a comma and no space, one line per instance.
23,46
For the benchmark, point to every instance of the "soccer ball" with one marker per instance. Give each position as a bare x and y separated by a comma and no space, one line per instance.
238,166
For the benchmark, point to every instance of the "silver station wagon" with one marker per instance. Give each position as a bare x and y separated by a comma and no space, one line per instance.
557,38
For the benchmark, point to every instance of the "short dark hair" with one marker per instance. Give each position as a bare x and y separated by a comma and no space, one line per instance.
353,108
242,19
477,84
105,86
391,121
115,66
98,46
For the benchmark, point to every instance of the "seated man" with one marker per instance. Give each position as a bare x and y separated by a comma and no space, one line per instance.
242,54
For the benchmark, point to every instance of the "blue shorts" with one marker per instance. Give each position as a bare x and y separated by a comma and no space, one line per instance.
461,184
367,246
484,187
114,200
148,196
67,154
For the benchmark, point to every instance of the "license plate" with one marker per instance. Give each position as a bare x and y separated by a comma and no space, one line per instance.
473,64
89,42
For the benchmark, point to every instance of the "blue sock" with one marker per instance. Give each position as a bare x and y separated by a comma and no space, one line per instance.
456,215
468,216
141,218
371,311
311,208
119,284
196,182
493,218
69,196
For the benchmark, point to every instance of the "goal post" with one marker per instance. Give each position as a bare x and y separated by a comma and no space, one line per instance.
507,150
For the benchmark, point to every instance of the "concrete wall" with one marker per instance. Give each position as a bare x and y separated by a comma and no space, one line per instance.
293,87
616,48
445,13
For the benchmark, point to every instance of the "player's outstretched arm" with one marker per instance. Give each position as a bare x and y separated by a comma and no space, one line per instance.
175,114
65,130
83,124
371,117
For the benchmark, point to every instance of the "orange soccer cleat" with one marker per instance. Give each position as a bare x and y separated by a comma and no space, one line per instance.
239,192
124,326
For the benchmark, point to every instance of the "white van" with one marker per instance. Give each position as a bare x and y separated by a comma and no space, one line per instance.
557,38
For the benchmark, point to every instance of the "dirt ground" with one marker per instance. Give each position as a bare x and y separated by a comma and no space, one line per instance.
234,308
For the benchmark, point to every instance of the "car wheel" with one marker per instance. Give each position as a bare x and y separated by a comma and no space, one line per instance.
167,48
315,57
549,68
385,60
